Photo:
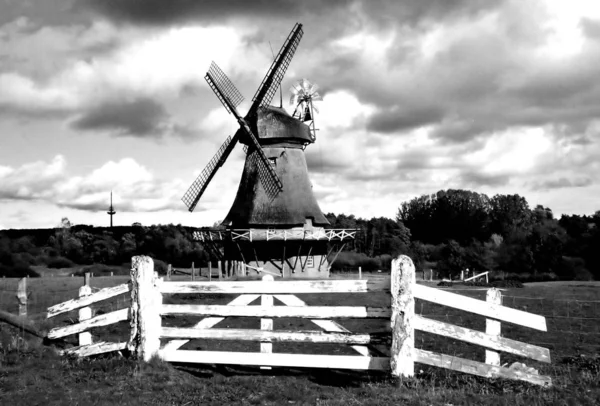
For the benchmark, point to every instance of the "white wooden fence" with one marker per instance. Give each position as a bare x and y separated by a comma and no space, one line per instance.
147,330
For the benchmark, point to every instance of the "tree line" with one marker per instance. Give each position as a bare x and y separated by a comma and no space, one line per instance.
449,231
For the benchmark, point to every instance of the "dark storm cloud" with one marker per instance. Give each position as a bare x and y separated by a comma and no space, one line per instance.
159,12
591,28
477,179
141,117
124,206
380,12
396,118
561,183
320,161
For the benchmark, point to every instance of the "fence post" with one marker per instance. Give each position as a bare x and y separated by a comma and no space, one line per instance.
209,270
266,324
493,327
359,272
146,300
85,313
22,296
220,270
193,271
86,279
403,310
169,270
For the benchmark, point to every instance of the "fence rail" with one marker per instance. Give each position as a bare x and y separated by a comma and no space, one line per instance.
147,330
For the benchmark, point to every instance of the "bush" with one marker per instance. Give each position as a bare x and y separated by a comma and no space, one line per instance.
102,270
160,267
17,271
352,260
60,262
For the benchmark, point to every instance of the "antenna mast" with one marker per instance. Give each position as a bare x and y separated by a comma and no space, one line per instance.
111,210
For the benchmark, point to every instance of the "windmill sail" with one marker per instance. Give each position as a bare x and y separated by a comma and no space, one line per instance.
223,88
215,78
270,83
193,194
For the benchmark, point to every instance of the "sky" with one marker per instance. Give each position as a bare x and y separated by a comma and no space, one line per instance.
497,97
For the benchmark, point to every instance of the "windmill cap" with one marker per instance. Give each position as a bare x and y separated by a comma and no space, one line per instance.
275,124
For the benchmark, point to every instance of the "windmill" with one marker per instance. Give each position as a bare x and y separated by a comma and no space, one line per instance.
275,223
304,93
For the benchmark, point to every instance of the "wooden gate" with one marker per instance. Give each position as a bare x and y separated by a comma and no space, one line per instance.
147,330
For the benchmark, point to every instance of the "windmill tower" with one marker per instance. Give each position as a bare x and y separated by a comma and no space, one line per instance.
275,224
111,210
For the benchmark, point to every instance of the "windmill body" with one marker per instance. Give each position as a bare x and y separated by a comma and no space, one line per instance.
275,224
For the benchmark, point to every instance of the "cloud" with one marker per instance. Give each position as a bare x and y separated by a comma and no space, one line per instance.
562,183
135,187
142,117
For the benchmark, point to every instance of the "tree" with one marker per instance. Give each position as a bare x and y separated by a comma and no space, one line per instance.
451,214
509,213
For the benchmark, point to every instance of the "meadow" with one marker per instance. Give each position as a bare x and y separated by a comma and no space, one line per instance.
32,373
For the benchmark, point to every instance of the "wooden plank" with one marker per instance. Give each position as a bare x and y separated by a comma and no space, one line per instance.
483,339
98,321
493,327
278,360
85,313
22,297
146,300
480,307
477,368
403,314
269,336
327,325
313,312
85,301
94,349
266,347
211,321
476,276
278,287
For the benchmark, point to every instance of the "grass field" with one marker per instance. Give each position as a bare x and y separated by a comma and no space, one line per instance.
31,373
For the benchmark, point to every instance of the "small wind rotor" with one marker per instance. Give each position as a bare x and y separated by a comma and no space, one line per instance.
304,93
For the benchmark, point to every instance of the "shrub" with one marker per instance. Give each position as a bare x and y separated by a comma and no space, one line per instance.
102,270
60,262
160,267
17,271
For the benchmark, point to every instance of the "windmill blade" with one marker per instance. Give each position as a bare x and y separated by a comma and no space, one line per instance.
196,190
269,178
270,83
223,87
267,175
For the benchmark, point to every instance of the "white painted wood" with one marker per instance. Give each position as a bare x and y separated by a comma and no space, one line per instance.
403,312
98,321
85,313
478,368
493,327
84,301
266,347
480,307
94,349
313,312
279,360
278,287
211,321
145,305
267,336
479,338
22,296
327,325
477,276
